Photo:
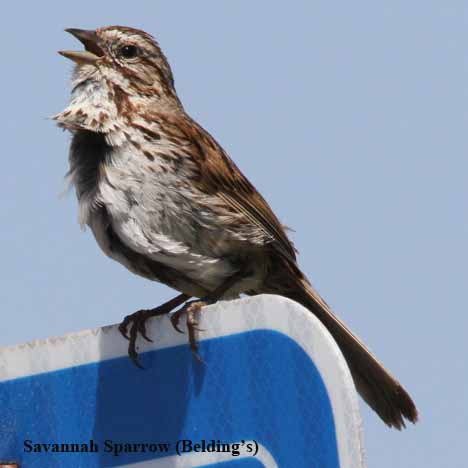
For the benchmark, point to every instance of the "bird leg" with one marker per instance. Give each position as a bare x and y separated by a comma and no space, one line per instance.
137,322
190,309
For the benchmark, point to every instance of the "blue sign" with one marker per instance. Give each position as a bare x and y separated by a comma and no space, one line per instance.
259,400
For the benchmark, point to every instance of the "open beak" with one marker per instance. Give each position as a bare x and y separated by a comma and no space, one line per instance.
92,51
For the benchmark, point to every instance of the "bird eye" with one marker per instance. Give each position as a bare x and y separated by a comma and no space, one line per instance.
128,51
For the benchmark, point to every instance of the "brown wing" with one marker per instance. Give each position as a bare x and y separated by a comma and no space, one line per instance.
220,176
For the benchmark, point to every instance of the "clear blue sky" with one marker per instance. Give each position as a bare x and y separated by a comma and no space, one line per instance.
351,119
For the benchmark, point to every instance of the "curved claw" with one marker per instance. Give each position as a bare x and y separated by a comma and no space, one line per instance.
132,352
147,338
135,324
142,329
194,347
175,322
177,329
134,357
123,328
192,327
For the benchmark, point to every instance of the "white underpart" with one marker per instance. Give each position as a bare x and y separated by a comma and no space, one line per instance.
152,218
154,209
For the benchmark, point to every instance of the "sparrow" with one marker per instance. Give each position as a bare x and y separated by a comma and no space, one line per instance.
163,198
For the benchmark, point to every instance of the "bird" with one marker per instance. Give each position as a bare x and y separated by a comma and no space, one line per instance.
164,199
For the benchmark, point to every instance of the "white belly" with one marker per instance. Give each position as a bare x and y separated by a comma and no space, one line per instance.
155,219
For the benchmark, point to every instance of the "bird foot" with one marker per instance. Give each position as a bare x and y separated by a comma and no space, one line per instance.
137,323
191,309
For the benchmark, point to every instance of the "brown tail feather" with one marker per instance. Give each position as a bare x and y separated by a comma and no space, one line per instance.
378,388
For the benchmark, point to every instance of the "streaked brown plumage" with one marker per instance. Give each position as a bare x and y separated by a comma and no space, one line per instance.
163,198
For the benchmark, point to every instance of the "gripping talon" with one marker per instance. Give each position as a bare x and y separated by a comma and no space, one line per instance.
194,347
192,327
175,318
135,324
132,352
142,330
179,330
134,357
123,328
